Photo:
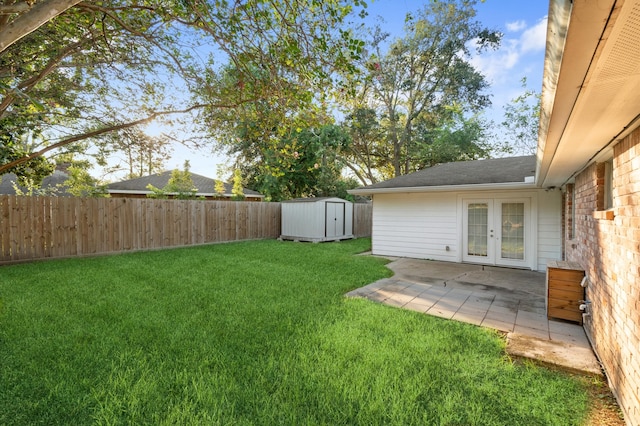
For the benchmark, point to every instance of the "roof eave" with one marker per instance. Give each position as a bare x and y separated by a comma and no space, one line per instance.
588,96
445,188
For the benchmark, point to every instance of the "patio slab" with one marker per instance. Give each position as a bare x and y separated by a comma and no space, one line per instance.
504,299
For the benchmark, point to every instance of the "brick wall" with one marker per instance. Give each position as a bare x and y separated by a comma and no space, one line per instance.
609,251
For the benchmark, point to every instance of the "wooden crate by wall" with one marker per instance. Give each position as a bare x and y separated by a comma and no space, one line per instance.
564,292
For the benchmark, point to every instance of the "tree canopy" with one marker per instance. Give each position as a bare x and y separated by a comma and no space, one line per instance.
415,87
96,69
261,80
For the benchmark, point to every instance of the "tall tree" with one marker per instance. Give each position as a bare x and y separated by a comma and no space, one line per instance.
427,76
457,139
521,121
237,190
368,153
133,151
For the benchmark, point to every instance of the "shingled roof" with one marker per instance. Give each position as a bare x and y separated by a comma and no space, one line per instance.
204,185
462,173
54,182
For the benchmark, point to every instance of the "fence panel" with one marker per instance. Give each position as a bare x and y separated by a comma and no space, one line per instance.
362,223
49,227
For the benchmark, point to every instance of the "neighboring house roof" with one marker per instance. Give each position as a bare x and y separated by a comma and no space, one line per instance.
204,185
497,172
50,182
590,86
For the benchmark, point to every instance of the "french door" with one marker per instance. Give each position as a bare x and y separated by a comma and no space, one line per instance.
496,231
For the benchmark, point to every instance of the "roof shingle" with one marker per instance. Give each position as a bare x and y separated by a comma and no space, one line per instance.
497,170
204,184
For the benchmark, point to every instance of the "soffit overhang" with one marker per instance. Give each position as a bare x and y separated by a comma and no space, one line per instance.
591,84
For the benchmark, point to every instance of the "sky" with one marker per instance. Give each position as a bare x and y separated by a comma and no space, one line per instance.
521,55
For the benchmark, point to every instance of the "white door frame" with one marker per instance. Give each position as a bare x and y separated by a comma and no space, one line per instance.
494,204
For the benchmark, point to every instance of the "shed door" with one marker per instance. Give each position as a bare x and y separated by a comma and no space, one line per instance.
334,219
496,232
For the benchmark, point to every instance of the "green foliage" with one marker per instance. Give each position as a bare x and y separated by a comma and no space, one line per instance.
78,72
521,121
368,154
304,163
237,190
180,186
457,139
81,184
252,333
30,173
421,83
219,188
105,66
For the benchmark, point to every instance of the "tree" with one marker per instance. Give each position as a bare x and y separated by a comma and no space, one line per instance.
134,151
180,186
521,122
368,153
109,61
29,173
81,184
458,139
426,76
219,188
237,190
302,163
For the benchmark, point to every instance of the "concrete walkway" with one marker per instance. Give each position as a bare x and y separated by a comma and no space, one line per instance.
508,300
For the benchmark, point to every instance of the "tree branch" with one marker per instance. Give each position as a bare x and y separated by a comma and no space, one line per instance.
29,21
8,9
28,84
4,168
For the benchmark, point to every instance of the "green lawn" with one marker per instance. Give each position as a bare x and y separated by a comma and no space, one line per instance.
251,333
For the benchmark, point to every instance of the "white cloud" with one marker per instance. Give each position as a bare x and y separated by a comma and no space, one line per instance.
500,65
534,38
516,26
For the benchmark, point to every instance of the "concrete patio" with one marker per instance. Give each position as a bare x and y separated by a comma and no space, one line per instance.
508,300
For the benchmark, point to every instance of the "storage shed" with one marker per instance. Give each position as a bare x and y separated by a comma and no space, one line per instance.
317,219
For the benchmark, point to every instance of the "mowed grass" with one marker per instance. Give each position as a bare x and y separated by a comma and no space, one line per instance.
251,333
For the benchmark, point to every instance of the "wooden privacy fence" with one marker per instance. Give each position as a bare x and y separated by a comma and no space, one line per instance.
45,227
49,227
362,214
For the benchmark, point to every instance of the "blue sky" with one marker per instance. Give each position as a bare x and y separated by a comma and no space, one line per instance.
523,24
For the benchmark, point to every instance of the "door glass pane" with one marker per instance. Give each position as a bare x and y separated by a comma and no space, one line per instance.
512,245
477,232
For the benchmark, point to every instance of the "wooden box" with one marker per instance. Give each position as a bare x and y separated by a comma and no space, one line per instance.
564,292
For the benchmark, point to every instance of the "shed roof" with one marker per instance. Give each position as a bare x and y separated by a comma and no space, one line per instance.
462,173
313,200
203,184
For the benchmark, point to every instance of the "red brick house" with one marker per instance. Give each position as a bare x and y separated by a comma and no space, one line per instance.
589,147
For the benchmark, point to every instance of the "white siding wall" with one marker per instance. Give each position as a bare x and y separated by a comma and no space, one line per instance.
422,225
415,225
549,227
